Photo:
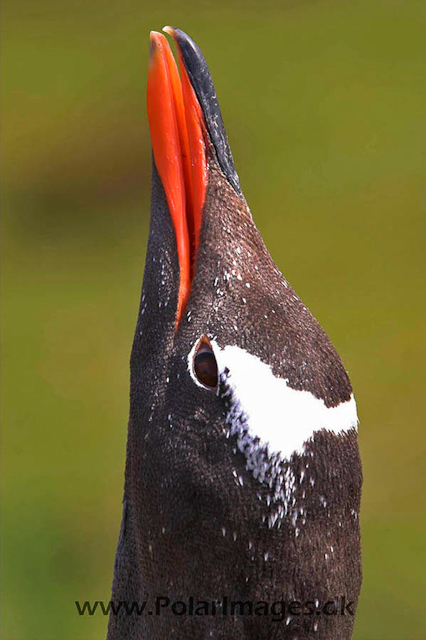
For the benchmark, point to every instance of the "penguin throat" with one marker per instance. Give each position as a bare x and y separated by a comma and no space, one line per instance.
179,140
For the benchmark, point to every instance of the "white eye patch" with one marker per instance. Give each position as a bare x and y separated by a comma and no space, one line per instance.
281,417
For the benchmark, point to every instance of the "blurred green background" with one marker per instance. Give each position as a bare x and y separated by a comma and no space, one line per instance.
325,103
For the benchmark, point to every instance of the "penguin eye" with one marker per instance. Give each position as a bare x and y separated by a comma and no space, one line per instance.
205,365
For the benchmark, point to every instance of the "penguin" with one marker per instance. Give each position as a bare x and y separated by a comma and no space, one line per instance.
243,475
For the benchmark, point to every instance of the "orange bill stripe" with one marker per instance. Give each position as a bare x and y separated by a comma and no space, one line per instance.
178,136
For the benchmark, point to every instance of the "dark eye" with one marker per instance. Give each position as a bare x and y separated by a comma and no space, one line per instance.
205,365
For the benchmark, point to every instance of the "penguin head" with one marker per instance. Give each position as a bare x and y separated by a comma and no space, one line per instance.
224,348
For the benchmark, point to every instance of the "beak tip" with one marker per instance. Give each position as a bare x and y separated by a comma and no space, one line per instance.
155,42
169,30
201,81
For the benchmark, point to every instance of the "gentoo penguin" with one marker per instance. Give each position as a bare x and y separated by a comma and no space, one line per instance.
243,476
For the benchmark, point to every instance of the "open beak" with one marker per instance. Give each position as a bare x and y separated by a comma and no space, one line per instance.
186,125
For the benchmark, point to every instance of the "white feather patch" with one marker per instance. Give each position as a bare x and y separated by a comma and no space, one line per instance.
281,417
